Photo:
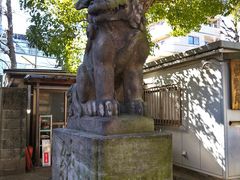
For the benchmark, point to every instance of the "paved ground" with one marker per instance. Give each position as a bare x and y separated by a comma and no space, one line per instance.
34,174
185,174
45,174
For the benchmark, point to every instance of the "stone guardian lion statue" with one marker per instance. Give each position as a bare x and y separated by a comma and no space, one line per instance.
109,80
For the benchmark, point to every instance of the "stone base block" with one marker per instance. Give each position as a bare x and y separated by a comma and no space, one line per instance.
124,124
78,155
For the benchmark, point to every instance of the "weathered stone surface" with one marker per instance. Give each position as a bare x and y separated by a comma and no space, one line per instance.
13,143
12,134
13,123
124,124
79,155
11,114
11,153
14,98
13,103
6,172
10,166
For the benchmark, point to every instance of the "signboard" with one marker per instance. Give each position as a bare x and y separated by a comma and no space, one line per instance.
46,152
235,84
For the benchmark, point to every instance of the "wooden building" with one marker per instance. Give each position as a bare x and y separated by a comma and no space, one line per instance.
47,97
196,96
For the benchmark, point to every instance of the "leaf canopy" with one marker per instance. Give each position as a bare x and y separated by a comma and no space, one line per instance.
59,30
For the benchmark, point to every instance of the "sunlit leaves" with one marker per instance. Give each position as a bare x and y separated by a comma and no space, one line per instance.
231,29
56,28
185,15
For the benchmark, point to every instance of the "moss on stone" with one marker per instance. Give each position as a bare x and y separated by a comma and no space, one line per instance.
148,157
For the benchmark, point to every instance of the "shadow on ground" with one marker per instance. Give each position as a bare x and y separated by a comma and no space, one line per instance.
45,174
186,174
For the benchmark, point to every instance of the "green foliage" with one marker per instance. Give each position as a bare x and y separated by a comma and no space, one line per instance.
231,29
57,29
231,6
185,15
236,12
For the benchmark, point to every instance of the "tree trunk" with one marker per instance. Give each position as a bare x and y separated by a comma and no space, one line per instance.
10,45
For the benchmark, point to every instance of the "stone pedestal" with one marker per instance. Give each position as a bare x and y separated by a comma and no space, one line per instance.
81,155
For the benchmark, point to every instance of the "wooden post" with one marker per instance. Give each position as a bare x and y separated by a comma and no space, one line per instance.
37,153
65,108
235,84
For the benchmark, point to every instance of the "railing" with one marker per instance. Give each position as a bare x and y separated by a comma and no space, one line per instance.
163,104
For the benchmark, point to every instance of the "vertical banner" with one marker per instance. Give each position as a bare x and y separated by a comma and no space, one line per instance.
235,84
46,152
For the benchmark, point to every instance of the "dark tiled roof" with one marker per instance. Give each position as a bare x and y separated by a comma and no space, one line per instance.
211,49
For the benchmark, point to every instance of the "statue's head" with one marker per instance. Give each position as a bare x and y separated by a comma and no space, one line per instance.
100,6
113,10
81,4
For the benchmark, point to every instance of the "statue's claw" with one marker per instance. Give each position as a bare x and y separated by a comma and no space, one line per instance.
108,108
102,108
136,107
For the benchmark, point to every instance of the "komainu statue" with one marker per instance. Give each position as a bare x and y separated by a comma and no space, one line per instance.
109,80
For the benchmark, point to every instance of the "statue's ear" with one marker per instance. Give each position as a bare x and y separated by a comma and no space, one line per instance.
81,4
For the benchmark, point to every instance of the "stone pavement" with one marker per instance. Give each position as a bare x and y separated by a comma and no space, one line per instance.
45,174
180,173
35,174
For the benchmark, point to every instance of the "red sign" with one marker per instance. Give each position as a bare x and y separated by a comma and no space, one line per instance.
46,157
46,152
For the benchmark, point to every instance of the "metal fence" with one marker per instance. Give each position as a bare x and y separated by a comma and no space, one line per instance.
163,104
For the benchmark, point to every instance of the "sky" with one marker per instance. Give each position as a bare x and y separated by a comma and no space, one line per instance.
20,24
20,19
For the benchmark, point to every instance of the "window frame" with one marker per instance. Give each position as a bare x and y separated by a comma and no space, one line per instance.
193,40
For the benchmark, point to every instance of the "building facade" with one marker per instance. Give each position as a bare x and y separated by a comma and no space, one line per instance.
195,96
46,107
27,57
166,44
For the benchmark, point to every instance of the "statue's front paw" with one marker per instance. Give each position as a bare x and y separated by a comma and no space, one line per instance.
136,107
107,108
100,108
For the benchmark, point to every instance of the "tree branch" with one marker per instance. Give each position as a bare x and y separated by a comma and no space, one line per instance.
10,44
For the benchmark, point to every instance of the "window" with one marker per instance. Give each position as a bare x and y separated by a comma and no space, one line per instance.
214,24
53,103
193,40
163,104
19,37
